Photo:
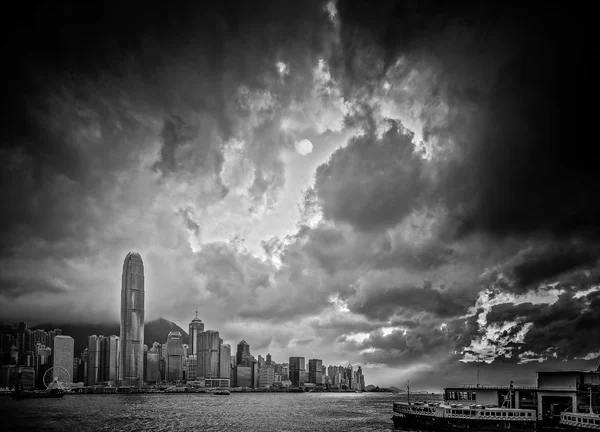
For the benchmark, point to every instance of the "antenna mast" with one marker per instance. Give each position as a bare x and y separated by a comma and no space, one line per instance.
478,382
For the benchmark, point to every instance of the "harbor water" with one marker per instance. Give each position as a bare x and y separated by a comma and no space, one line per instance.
197,412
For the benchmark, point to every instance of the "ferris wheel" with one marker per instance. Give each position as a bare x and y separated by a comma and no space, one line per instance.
56,377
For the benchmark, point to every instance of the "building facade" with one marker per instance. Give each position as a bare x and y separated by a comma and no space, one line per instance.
315,371
174,357
243,357
297,371
103,359
63,351
196,327
132,320
225,361
266,376
209,343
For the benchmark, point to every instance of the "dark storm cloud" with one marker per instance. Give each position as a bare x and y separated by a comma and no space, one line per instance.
11,287
568,327
383,302
523,167
372,183
550,260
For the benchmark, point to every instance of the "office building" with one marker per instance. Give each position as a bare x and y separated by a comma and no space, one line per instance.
315,371
152,366
266,376
174,357
297,371
196,327
103,359
268,362
209,343
192,367
132,320
62,356
225,361
243,357
242,376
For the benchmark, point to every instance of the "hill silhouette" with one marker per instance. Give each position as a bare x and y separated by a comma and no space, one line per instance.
154,331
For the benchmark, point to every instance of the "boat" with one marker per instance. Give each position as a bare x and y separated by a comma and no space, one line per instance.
222,392
447,417
33,394
493,408
581,421
20,393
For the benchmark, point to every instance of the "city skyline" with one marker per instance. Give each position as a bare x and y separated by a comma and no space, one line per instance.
392,184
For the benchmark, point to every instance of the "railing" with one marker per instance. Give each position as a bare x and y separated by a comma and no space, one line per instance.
472,414
491,387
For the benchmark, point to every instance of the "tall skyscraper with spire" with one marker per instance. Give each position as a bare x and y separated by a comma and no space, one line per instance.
132,320
196,327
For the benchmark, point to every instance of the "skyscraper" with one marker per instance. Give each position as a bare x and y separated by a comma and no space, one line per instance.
315,371
297,371
196,327
243,354
132,319
269,361
174,357
62,355
103,357
225,361
208,354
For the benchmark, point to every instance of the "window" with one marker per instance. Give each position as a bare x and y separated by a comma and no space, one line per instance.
504,414
510,414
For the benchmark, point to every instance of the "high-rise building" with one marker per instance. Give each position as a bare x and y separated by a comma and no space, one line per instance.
132,319
208,354
152,366
243,357
261,361
62,356
268,362
225,361
93,360
196,327
192,367
266,376
174,357
297,371
103,359
360,378
315,371
242,376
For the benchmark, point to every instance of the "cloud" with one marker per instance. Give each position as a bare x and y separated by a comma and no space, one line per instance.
372,183
439,214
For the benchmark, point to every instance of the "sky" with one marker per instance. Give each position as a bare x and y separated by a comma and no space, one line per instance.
408,186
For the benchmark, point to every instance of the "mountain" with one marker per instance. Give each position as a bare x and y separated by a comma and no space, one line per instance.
396,389
154,331
372,388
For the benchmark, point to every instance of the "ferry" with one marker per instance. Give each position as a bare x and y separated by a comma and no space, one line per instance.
557,403
19,393
581,421
446,417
